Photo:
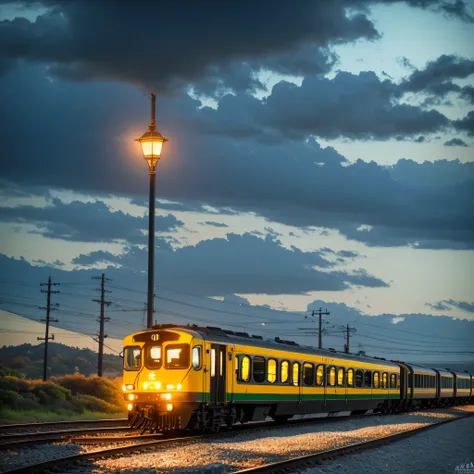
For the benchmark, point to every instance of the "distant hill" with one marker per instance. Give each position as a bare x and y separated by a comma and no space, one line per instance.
62,360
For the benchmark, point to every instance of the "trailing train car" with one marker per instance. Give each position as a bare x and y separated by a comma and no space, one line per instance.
462,386
190,377
418,385
444,386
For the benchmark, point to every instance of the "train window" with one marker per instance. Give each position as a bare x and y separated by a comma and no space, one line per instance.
350,377
154,357
368,378
197,350
132,358
376,379
410,380
393,381
320,375
385,380
271,370
213,362
308,373
296,373
359,377
177,356
244,369
340,376
284,371
398,381
258,369
331,380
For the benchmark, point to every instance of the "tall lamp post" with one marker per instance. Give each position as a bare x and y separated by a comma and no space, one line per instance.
152,142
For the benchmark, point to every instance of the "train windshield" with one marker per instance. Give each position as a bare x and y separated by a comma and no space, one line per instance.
154,357
131,358
177,356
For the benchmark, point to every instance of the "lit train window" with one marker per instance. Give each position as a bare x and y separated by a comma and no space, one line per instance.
177,356
340,376
350,377
358,378
332,376
393,381
376,379
308,373
154,357
385,380
197,357
271,370
244,369
284,371
131,358
213,362
398,381
320,375
296,373
259,369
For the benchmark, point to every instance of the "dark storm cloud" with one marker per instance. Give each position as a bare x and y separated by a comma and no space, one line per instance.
466,124
456,142
239,264
436,78
113,40
448,305
85,222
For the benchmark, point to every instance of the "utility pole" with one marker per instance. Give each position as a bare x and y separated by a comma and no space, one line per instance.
320,330
48,320
102,320
348,332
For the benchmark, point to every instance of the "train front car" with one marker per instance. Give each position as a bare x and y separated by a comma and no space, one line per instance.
162,379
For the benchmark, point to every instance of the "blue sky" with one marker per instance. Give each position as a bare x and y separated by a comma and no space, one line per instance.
331,162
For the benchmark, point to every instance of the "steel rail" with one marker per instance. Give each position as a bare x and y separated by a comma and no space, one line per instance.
309,460
26,426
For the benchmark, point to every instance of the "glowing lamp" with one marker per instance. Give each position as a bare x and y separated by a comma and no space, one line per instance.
152,141
169,407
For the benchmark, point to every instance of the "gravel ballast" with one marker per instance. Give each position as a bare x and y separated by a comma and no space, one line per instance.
437,451
242,450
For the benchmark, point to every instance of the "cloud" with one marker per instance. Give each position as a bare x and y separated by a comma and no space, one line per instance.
455,142
85,222
214,224
67,36
466,124
447,305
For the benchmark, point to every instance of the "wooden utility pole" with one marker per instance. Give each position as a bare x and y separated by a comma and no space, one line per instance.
320,330
348,333
48,320
102,321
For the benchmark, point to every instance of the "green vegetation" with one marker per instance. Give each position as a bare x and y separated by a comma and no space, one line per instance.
60,398
27,359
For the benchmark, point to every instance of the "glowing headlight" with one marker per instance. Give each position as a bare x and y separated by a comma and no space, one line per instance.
128,387
170,386
130,406
145,385
157,385
131,396
169,407
179,387
166,396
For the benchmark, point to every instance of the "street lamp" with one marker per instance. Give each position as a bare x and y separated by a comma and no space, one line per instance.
152,143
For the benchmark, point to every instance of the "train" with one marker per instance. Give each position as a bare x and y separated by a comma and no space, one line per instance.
179,378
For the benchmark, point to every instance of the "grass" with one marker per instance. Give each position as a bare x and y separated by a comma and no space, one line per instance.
30,416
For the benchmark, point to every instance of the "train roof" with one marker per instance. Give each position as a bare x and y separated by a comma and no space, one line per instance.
460,374
224,336
420,369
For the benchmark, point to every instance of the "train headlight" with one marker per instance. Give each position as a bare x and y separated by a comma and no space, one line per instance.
170,386
169,407
128,387
157,385
179,386
131,397
166,396
130,406
145,385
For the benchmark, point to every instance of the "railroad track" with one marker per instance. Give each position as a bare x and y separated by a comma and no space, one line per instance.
302,462
16,440
51,424
151,444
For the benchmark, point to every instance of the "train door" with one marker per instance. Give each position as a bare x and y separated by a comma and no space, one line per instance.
217,374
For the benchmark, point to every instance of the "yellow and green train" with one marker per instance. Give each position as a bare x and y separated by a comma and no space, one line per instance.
190,377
